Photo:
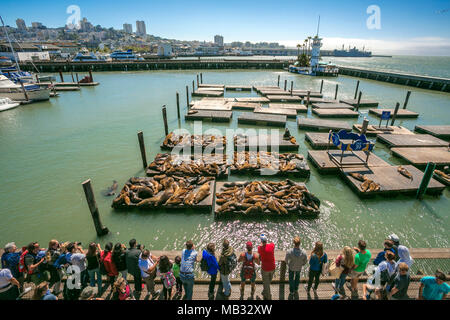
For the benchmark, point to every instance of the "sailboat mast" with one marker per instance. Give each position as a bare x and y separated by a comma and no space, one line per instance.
318,26
10,44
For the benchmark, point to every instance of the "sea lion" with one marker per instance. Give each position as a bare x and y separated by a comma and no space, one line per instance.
405,172
442,174
365,185
111,190
358,176
202,193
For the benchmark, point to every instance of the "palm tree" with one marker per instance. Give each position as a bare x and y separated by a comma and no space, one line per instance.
298,49
309,45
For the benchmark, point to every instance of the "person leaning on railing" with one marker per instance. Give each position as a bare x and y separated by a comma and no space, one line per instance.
434,288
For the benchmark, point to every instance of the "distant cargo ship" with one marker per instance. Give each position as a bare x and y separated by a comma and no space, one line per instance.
352,53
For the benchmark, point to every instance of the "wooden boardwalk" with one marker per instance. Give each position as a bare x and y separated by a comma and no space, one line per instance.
215,116
335,113
322,125
263,119
411,140
442,132
401,113
319,140
362,104
322,161
300,108
331,106
290,113
373,131
419,157
390,180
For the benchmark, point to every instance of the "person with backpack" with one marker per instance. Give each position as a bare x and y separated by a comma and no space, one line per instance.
209,264
187,265
108,264
93,265
295,259
119,259
248,271
9,286
317,260
11,259
176,272
227,263
30,262
164,270
345,262
76,257
266,253
148,264
132,261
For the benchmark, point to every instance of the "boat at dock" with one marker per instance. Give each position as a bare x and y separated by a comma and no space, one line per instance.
16,92
352,52
7,104
124,56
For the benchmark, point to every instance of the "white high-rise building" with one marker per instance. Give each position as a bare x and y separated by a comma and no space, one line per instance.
21,24
218,40
140,28
128,28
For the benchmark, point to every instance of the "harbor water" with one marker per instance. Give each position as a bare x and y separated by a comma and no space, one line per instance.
48,148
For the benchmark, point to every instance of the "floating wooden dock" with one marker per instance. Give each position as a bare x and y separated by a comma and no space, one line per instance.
212,106
207,93
67,89
263,119
362,104
194,142
245,105
335,113
373,131
215,116
210,85
331,106
250,99
401,113
300,108
319,140
322,125
278,98
290,113
259,88
411,140
419,157
442,132
263,142
69,84
238,88
390,180
322,161
321,100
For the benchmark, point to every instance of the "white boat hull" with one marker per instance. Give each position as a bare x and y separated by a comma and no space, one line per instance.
35,95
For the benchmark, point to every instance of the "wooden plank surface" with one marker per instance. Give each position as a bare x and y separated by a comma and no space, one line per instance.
401,113
421,156
336,113
245,105
210,85
213,106
411,140
264,142
322,125
321,100
278,98
373,131
364,103
219,116
324,163
300,108
204,93
390,180
331,106
238,88
442,131
250,99
262,119
290,113
319,140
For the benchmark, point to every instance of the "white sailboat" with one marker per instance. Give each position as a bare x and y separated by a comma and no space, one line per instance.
16,92
7,104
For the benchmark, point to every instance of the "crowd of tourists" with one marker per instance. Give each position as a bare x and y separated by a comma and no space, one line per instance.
388,277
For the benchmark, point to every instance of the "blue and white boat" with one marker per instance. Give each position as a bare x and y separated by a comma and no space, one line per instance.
125,56
83,56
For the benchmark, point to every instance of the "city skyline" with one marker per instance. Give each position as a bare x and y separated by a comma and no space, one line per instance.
421,30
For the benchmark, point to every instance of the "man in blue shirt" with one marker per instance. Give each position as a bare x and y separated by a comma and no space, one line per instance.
188,259
433,288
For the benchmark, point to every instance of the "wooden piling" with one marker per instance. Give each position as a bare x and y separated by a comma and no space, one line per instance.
142,147
166,127
187,96
37,78
99,228
90,75
336,92
24,91
307,98
193,86
178,106
426,179
292,87
395,113
78,81
283,268
201,77
285,85
278,83
359,101
61,76
356,90
197,81
365,124
73,80
321,86
406,99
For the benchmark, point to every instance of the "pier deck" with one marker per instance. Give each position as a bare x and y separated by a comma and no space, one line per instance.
331,106
419,157
215,116
290,113
281,98
263,119
411,140
336,113
322,161
263,142
319,140
390,180
442,132
401,113
373,131
322,125
362,104
300,108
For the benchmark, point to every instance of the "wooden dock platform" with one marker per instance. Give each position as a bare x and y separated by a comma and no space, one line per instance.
205,115
259,88
321,100
290,113
250,99
411,140
300,108
331,106
245,105
281,98
401,113
212,105
207,93
263,119
373,131
263,142
322,125
69,84
362,104
319,140
322,161
442,132
335,113
67,88
390,180
238,88
419,157
211,85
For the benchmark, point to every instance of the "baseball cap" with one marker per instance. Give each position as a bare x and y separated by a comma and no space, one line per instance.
249,244
88,292
263,238
394,238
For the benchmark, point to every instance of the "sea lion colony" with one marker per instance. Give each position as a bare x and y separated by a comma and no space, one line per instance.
170,165
204,140
254,161
266,197
163,191
244,140
367,185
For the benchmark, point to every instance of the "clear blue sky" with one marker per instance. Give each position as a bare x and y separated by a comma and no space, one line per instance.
426,22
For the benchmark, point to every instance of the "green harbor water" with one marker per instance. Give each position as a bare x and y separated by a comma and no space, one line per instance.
47,149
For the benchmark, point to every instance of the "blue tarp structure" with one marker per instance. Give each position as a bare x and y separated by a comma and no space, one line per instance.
359,143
